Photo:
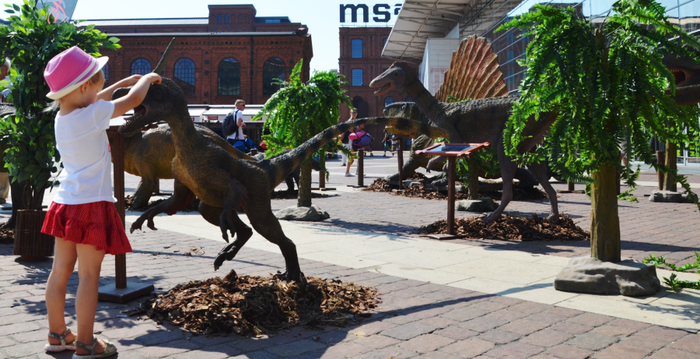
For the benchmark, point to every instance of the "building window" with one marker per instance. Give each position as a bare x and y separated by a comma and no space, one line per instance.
510,54
229,77
140,67
357,77
384,42
388,101
274,68
184,75
105,70
218,19
509,37
526,40
510,79
226,19
356,48
408,99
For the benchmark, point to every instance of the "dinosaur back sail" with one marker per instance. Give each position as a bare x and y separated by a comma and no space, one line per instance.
474,72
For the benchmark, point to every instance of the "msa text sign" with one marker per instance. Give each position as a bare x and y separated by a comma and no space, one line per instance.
360,13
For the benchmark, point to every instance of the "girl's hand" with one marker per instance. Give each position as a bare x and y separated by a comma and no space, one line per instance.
154,78
132,80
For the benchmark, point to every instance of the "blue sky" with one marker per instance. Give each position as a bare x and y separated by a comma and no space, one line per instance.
321,16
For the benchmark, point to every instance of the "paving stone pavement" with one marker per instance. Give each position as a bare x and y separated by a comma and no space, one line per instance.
415,319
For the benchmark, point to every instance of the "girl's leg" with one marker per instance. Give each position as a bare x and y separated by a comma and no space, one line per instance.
89,266
63,266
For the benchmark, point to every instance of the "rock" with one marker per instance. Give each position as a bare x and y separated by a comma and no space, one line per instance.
590,275
479,205
669,196
312,213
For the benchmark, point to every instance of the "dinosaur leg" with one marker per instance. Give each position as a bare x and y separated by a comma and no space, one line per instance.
539,170
180,198
269,227
234,198
213,215
508,167
143,192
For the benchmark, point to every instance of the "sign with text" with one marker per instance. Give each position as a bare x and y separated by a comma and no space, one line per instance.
62,10
363,13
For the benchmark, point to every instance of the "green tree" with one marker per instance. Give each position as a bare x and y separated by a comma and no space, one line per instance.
297,112
608,83
31,39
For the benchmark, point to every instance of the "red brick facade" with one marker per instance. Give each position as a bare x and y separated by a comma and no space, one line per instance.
230,31
372,64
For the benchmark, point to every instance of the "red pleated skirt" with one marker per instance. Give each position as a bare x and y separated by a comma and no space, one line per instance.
96,224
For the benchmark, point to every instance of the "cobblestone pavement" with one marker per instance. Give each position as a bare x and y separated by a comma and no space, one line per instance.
415,320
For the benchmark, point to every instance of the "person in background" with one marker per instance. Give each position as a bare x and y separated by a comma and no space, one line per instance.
386,142
4,70
82,215
348,143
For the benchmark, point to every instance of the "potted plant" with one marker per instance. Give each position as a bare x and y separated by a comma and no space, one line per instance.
31,39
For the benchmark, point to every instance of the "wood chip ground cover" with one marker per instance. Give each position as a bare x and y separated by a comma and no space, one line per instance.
251,306
512,228
519,194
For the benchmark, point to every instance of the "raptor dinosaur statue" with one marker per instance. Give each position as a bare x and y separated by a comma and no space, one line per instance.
149,154
225,184
480,120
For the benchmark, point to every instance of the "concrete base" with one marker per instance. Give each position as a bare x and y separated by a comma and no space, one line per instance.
483,204
312,213
669,196
590,275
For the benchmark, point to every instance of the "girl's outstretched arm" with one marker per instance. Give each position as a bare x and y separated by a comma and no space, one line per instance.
136,94
106,94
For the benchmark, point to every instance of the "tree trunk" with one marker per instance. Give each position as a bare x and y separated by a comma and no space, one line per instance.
304,198
671,162
605,221
473,179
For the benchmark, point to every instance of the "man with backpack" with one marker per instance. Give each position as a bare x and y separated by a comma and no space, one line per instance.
233,126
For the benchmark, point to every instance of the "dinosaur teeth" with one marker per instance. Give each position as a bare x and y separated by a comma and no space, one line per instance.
384,88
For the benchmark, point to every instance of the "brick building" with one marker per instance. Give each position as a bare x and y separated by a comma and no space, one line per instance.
361,61
228,55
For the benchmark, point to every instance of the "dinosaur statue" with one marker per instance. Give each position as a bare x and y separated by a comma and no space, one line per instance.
225,184
149,155
480,120
294,176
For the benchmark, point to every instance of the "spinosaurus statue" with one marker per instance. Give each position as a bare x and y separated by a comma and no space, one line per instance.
225,184
480,120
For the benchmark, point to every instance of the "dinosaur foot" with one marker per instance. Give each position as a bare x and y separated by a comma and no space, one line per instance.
226,254
553,218
288,276
139,222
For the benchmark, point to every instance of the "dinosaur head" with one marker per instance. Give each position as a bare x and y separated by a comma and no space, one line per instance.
687,74
393,78
161,100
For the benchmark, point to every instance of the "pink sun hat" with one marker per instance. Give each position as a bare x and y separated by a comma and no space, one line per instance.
70,69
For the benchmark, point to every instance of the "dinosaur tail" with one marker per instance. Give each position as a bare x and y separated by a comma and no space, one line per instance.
281,166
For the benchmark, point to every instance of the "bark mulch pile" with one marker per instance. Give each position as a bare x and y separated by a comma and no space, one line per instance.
7,235
519,194
511,228
251,306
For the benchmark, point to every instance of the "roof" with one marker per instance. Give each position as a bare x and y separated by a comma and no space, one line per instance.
151,22
420,20
193,34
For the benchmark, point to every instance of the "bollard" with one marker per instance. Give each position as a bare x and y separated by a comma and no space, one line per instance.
321,179
400,157
451,195
660,159
360,167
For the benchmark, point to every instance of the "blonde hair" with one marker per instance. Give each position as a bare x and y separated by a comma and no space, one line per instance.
239,102
352,110
96,78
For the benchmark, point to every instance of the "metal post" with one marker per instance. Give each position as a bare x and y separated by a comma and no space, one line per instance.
360,168
451,195
661,159
118,153
321,179
400,157
571,186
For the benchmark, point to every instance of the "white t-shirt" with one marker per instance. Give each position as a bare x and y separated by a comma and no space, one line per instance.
81,139
239,133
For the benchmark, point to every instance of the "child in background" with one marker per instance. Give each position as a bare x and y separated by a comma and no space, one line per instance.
82,216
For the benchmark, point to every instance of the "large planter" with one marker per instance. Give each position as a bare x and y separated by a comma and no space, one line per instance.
30,243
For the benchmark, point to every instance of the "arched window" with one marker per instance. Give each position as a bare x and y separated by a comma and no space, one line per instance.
105,70
184,75
408,99
229,79
273,68
388,101
140,67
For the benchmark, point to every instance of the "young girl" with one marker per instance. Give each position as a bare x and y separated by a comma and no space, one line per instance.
82,216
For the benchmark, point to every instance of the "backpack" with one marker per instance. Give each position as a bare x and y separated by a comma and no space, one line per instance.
361,139
229,126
